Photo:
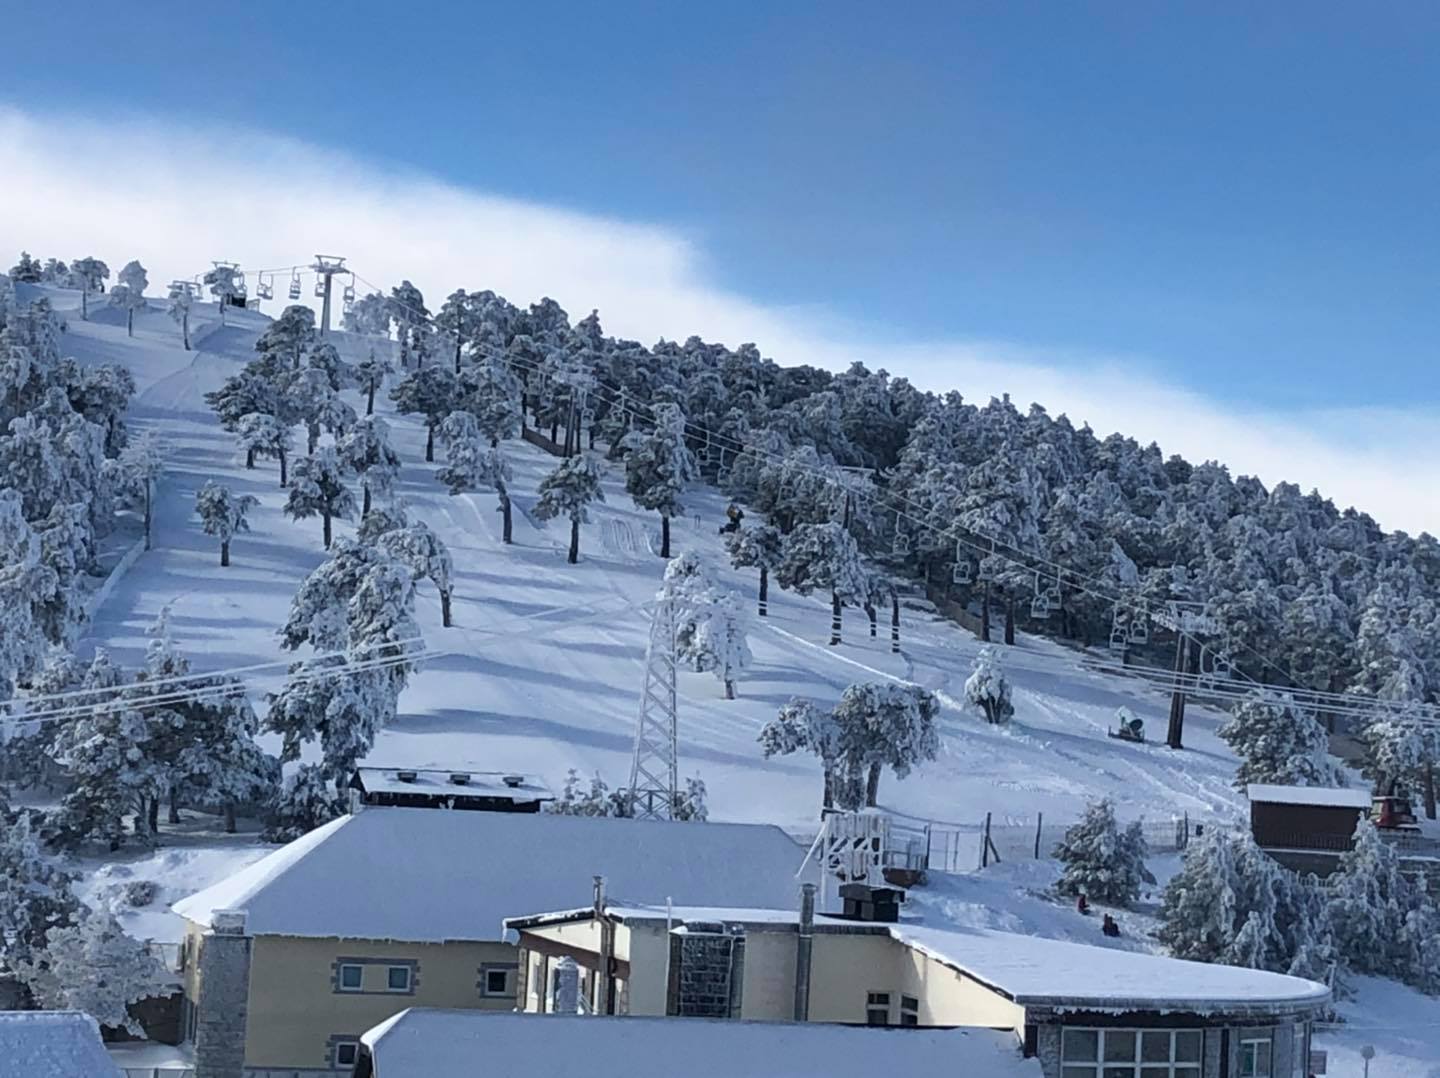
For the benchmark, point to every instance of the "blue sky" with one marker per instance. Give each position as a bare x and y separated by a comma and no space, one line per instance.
1242,196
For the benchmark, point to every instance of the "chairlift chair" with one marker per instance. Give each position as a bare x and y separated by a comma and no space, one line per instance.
319,286
900,546
348,296
294,291
963,573
1139,628
1040,606
1119,640
587,415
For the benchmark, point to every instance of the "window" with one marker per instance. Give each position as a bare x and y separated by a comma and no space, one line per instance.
397,979
877,1008
346,1052
352,977
909,1011
495,981
1255,1057
1132,1053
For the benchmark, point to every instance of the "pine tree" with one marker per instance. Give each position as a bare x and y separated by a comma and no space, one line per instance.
262,435
757,547
886,723
416,546
568,491
823,556
112,756
286,339
27,270
658,464
369,316
471,465
365,451
805,725
179,300
1369,902
307,800
223,514
988,689
371,373
492,393
137,471
429,392
225,284
35,894
1102,861
129,293
1279,742
319,490
90,275
406,308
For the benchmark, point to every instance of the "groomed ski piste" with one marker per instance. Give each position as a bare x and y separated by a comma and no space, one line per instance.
542,668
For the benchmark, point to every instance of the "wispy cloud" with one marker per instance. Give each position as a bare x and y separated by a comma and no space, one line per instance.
177,197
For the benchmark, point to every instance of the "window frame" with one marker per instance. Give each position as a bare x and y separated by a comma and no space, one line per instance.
1136,1066
1248,1042
358,986
909,1010
404,989
507,973
877,1003
339,1046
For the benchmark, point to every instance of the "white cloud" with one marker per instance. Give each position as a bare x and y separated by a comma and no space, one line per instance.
178,198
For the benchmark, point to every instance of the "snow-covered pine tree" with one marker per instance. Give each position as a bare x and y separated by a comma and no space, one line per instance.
380,623
225,284
568,491
35,894
988,689
1279,742
457,321
307,799
365,451
129,293
658,464
885,723
824,557
90,276
286,339
491,393
718,643
318,611
1397,748
406,307
371,373
93,966
1369,901
25,582
368,316
137,471
223,514
758,546
111,754
418,547
331,701
27,270
262,435
178,303
805,725
318,489
470,464
429,392
1103,861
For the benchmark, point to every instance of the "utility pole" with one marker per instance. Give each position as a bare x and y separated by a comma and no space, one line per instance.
325,267
654,767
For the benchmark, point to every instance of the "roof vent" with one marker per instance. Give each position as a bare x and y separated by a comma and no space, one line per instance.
406,776
865,903
460,778
514,781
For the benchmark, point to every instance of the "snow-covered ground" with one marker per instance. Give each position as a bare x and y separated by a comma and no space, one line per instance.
541,672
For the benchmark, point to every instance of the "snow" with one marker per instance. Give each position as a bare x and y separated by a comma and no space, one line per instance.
420,1043
37,1044
1308,795
438,782
424,874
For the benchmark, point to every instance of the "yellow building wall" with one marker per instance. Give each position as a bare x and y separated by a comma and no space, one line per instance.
949,998
648,952
295,1010
844,968
768,987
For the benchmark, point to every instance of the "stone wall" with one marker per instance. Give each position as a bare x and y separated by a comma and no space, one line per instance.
709,969
223,1004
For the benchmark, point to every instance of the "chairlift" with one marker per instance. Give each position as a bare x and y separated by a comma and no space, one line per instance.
348,296
1139,628
1119,640
319,286
263,288
1040,606
587,415
294,291
900,545
963,573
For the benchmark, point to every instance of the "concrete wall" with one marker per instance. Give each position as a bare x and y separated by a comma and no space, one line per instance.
296,1013
769,982
646,948
845,968
949,998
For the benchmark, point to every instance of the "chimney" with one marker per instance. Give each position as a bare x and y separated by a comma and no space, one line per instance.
804,946
599,896
406,776
460,778
876,904
222,1003
514,781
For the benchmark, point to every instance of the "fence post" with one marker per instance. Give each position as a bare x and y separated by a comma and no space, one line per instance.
1039,824
985,846
927,847
1185,839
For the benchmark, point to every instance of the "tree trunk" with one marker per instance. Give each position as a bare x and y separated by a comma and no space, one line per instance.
430,443
85,304
1010,620
574,542
229,818
185,329
1429,790
764,592
249,458
895,623
730,694
835,617
664,536
326,518
445,609
872,786
829,799
173,816
224,553
312,439
985,614
130,321
153,814
365,504
457,353
874,622
149,510
554,431
284,469
370,397
505,517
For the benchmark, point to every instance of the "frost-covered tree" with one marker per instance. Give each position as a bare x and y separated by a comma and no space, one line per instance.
334,702
318,611
988,689
27,270
93,966
658,464
1397,749
1370,900
288,337
368,316
457,322
310,400
492,394
112,757
429,392
824,557
1102,860
178,303
223,514
886,723
757,547
262,435
568,491
371,373
406,307
225,283
35,894
137,471
719,642
576,799
803,725
365,451
90,276
129,293
318,489
1279,742
307,800
471,464
427,556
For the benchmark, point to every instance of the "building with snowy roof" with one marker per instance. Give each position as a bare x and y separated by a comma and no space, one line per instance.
420,787
36,1043
460,1044
1082,1011
289,960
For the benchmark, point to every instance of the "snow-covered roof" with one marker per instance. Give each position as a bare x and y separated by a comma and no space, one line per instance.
36,1043
421,1043
443,782
1308,795
1036,971
430,875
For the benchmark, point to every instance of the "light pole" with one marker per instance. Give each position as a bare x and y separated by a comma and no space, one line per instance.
1367,1053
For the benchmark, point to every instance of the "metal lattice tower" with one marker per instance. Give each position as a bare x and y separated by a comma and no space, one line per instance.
654,768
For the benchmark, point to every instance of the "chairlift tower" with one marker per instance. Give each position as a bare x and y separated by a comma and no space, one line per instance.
326,267
654,768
